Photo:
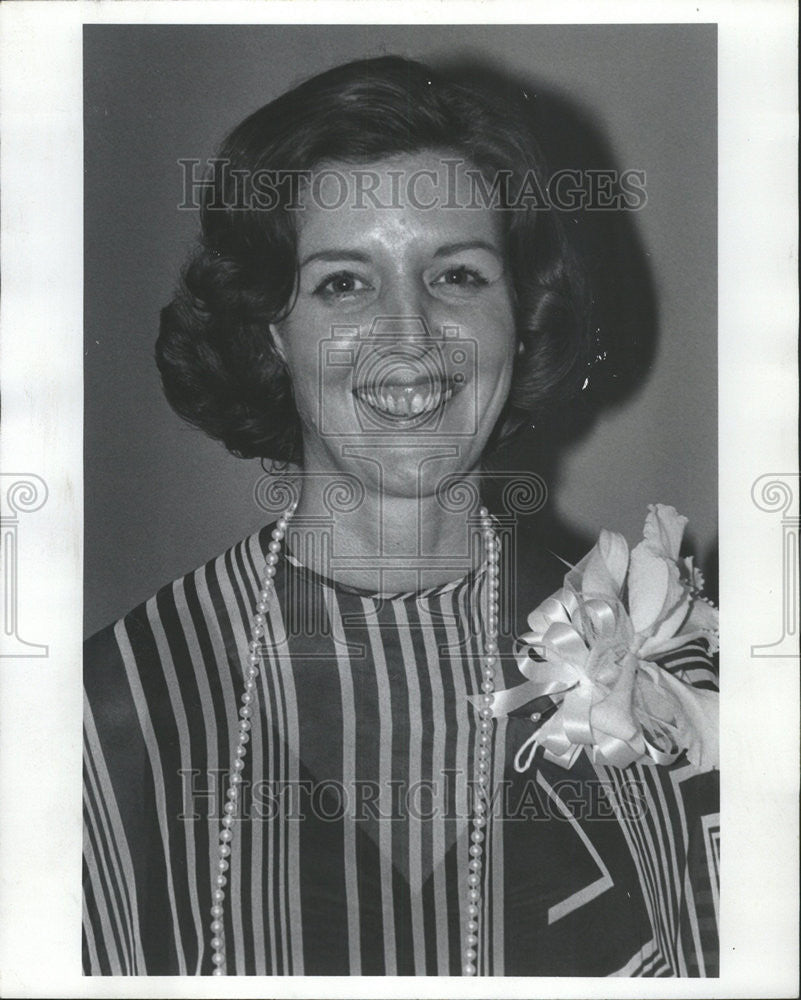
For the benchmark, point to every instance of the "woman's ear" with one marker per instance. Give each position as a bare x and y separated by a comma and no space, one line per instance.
277,340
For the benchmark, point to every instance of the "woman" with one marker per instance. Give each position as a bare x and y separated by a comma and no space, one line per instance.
295,759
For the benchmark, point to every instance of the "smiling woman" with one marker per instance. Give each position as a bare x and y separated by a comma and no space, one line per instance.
383,285
295,759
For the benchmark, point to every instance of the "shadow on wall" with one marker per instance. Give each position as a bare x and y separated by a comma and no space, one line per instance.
623,313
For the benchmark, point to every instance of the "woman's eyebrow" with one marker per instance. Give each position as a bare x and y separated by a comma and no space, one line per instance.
450,248
335,255
350,254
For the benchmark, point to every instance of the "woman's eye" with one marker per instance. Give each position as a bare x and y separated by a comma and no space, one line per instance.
460,277
341,285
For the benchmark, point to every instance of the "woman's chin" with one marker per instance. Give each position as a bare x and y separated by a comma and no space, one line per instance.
411,466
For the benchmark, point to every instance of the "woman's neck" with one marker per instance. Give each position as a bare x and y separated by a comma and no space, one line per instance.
384,543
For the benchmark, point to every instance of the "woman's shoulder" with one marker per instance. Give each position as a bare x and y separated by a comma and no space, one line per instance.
230,567
540,551
195,617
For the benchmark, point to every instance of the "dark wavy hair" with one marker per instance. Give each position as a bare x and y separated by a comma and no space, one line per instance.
219,366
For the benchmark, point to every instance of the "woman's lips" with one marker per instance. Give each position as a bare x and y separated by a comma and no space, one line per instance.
402,400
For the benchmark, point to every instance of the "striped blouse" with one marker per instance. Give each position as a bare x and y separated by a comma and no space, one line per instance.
350,849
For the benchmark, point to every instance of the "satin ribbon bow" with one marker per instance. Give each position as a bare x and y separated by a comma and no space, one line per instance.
595,658
588,667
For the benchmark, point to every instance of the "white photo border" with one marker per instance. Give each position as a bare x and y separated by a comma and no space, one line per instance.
42,349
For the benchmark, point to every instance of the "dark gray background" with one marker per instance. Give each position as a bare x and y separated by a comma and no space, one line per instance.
160,498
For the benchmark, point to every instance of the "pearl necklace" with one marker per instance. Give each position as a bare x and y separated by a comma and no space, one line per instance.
482,781
483,756
251,673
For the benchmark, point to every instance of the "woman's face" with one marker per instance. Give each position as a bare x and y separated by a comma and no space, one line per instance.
401,340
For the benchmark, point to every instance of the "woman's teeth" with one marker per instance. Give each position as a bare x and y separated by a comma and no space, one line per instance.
405,400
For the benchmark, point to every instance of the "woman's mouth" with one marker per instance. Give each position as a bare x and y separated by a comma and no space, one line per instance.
407,400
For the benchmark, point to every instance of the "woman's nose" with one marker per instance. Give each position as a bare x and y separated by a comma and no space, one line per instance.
390,328
404,311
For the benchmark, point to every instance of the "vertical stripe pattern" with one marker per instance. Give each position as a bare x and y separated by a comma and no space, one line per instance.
350,847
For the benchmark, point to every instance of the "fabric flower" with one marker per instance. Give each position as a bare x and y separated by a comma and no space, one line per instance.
597,642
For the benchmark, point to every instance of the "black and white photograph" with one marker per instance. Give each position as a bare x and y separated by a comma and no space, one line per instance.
416,283
405,403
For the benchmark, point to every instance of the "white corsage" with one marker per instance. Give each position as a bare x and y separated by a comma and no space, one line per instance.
593,648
